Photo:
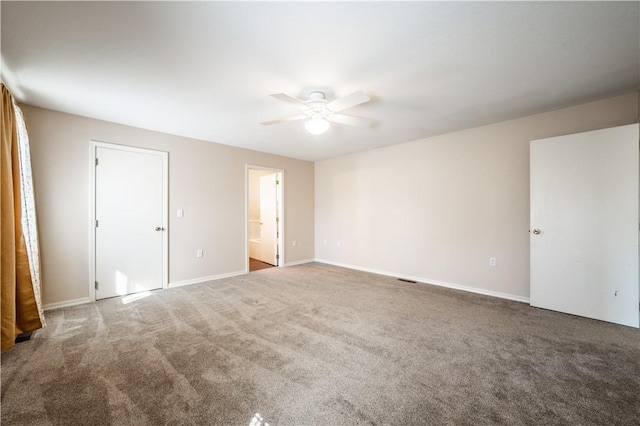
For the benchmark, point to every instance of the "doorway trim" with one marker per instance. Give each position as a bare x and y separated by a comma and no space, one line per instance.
281,240
93,144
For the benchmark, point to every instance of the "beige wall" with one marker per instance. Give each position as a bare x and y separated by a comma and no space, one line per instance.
436,209
207,180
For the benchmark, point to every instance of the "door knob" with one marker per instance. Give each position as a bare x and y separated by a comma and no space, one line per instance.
159,228
536,231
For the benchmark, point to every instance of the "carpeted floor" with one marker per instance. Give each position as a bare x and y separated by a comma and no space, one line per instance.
320,345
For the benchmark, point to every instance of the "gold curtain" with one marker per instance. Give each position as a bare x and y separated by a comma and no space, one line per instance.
19,308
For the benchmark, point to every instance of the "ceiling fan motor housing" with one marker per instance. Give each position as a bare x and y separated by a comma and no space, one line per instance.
316,106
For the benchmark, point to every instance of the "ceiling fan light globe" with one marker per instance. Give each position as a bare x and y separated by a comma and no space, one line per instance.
316,126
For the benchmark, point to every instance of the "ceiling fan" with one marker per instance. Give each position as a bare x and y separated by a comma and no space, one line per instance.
319,112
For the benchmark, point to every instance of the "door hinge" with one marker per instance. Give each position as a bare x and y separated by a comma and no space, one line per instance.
96,223
96,161
96,284
277,182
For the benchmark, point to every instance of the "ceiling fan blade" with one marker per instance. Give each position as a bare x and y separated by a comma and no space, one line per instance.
284,120
351,120
356,98
288,99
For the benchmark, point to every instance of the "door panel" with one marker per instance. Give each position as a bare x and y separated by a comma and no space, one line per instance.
129,207
584,202
268,219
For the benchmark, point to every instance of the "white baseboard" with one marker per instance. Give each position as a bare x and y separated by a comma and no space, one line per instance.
299,262
66,303
423,280
205,279
74,302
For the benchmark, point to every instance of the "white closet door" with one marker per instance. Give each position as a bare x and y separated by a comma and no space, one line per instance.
130,214
584,224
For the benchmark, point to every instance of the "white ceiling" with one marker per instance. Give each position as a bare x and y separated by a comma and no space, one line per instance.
205,69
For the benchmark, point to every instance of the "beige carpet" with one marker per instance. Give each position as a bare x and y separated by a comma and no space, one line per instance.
320,345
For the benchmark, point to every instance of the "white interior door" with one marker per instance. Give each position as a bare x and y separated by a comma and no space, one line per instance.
269,219
584,224
130,220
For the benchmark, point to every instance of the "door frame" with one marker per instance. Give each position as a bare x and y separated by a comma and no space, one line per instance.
93,145
281,189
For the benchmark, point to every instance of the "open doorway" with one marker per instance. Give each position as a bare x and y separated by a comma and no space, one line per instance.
265,222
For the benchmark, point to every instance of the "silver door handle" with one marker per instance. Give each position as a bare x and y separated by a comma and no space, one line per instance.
536,231
159,228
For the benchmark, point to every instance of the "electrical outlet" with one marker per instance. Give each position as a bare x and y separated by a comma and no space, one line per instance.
199,253
493,262
294,243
